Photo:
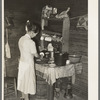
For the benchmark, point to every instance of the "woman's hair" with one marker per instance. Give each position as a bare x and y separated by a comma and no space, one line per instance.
31,26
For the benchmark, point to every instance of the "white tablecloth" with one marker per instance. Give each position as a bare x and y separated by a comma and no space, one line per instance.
53,73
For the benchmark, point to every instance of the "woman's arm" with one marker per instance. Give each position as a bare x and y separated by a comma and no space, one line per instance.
36,55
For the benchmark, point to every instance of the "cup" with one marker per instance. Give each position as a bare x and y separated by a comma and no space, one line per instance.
67,62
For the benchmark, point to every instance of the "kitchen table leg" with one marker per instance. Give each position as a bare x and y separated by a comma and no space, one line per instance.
68,90
69,87
50,95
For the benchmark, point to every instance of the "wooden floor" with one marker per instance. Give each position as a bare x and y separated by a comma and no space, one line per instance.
36,97
32,97
41,93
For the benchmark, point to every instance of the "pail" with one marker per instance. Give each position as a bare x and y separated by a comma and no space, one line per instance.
60,58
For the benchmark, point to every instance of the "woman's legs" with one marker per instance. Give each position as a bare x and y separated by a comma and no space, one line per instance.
25,96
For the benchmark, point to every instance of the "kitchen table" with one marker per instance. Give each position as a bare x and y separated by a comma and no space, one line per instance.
50,74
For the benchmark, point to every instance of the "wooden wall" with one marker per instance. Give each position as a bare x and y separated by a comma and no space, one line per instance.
79,45
33,8
14,35
77,7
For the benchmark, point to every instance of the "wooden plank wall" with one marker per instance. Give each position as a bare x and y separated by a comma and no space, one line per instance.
79,45
15,33
77,7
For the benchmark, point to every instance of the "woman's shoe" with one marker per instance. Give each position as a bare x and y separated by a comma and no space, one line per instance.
21,98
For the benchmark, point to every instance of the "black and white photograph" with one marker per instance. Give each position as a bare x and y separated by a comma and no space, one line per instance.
45,50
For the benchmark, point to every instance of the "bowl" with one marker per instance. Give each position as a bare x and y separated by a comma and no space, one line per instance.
74,58
42,61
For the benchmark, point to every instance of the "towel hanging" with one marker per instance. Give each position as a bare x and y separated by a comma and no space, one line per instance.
7,47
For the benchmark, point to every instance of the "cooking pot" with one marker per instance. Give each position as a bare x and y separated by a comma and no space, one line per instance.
60,58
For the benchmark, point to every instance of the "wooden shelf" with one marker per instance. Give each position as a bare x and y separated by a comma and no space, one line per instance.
54,19
51,32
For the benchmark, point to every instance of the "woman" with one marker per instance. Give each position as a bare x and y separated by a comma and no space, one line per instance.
26,73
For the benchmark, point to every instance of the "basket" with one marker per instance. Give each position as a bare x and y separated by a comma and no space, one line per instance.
74,58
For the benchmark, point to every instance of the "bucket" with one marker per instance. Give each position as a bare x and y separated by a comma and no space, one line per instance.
60,58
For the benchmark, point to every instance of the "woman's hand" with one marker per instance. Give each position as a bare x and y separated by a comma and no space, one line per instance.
36,55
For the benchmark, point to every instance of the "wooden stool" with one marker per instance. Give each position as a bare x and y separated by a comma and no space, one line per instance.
10,86
10,79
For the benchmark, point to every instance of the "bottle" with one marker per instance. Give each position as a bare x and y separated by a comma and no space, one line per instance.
42,42
50,49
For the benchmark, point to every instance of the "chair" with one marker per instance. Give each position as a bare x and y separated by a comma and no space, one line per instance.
10,79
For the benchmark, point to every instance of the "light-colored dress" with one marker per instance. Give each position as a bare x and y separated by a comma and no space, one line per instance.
26,73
